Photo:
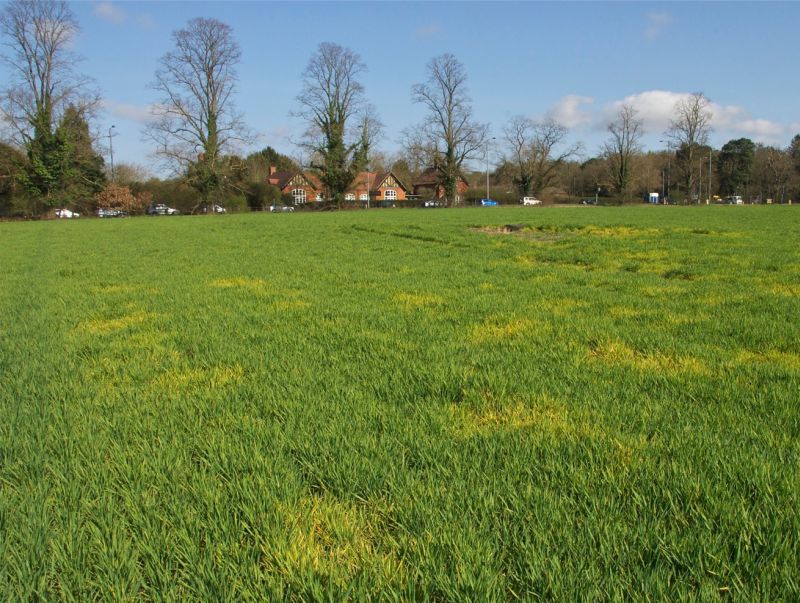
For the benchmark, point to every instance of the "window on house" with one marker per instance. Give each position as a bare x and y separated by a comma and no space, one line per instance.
318,197
299,196
350,197
363,197
390,194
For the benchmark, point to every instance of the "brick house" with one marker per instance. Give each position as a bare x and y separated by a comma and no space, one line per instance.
302,187
427,185
381,187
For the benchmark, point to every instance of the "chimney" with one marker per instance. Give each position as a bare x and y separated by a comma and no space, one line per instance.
272,170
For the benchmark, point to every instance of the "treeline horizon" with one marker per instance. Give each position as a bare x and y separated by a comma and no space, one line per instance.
50,159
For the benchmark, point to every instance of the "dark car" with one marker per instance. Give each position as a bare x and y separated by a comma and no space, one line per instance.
280,208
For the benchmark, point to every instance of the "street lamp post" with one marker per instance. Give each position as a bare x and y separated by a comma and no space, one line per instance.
488,142
709,175
111,150
700,184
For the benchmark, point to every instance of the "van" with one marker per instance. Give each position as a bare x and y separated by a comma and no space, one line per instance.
530,201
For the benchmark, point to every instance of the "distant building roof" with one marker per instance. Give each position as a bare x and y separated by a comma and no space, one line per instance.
430,177
281,179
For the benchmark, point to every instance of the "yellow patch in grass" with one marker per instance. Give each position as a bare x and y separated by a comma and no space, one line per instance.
214,377
331,538
252,284
785,360
565,306
784,290
544,413
413,301
290,304
623,312
618,353
101,326
620,231
493,330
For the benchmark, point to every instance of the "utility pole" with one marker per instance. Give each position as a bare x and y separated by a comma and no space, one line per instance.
700,184
488,142
111,150
709,175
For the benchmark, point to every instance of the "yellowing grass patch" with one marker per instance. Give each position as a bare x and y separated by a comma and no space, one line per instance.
328,537
546,414
494,330
620,231
785,360
102,326
413,301
565,306
783,289
216,377
618,353
252,284
623,312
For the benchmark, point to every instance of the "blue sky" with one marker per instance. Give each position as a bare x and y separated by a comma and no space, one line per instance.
573,61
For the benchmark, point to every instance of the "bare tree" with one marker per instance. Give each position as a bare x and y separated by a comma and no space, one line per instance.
687,132
772,171
43,85
449,136
537,151
332,99
43,80
622,148
197,121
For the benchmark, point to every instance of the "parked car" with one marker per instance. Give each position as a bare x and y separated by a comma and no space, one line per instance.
280,208
433,203
217,209
488,202
530,201
110,213
588,202
67,213
734,200
159,209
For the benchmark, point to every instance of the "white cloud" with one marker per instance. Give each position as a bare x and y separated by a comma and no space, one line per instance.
656,23
656,109
110,12
138,113
113,13
570,111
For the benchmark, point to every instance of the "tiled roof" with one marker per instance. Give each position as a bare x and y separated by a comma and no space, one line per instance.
281,179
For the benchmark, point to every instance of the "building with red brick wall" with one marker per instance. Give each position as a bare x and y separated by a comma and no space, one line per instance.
381,187
303,188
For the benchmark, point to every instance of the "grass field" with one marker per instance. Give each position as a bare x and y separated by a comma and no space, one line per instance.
402,405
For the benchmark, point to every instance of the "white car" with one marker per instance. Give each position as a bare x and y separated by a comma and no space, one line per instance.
531,201
67,213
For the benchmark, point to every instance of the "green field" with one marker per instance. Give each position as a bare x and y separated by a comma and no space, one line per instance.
402,405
